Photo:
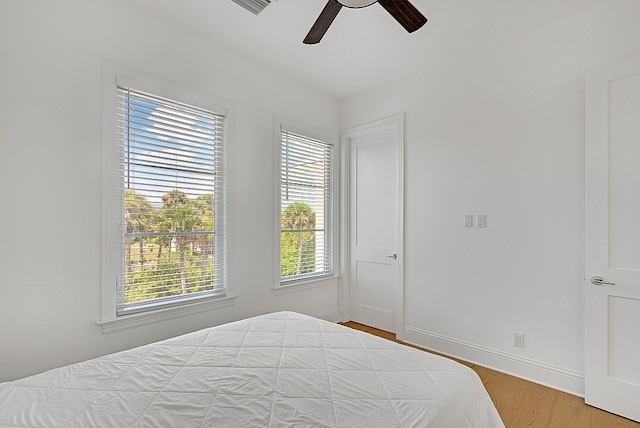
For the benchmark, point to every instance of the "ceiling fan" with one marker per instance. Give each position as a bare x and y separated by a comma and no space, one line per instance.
403,12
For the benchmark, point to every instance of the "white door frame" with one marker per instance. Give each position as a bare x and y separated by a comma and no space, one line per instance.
395,123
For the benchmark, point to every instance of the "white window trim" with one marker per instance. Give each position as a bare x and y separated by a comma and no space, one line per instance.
305,284
112,74
328,137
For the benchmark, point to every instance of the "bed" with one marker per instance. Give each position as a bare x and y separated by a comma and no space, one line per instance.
276,370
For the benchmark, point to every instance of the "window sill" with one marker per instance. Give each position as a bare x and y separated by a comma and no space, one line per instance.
149,317
305,285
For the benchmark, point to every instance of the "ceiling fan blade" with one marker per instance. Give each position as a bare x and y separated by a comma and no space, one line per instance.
323,22
405,13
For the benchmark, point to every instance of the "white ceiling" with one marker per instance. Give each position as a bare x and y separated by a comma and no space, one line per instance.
364,48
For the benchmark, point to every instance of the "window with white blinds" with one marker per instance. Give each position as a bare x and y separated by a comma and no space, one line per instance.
306,207
171,191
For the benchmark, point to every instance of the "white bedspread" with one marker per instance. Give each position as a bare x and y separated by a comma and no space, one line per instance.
277,370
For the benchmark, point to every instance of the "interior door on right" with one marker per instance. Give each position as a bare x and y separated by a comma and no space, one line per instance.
612,275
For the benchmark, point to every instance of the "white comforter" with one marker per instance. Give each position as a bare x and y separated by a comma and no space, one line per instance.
277,370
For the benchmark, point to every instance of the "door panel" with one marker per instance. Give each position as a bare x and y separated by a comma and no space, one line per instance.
624,340
374,187
371,286
612,342
624,172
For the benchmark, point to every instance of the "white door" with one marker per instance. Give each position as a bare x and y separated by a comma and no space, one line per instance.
375,207
612,277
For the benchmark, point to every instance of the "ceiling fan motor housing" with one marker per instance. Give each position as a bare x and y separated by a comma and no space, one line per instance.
356,4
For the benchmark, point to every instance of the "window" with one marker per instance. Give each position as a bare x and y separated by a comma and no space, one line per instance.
164,222
306,207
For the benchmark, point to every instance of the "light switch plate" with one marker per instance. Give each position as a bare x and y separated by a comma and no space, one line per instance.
468,220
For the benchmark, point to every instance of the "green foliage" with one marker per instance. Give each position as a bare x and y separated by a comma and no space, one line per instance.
297,240
169,258
161,277
162,261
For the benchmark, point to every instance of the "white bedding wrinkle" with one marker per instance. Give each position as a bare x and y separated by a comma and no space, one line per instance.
276,370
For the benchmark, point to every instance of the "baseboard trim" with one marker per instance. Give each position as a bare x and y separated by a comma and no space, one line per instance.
555,377
331,316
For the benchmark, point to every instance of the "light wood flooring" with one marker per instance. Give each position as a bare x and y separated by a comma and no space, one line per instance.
526,404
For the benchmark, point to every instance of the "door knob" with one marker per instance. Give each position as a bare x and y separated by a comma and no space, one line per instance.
598,280
393,256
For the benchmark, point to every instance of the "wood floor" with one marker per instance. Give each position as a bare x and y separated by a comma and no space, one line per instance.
526,404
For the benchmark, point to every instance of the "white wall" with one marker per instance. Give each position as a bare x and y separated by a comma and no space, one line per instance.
496,127
50,141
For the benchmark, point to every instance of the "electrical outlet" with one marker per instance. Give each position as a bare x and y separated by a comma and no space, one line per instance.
518,340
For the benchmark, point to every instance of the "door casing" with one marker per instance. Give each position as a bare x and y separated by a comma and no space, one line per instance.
395,123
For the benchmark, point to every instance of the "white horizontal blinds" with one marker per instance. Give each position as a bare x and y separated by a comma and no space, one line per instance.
172,159
306,196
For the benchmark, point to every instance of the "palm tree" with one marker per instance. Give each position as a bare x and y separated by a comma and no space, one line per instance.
298,217
175,198
204,205
137,212
182,216
160,223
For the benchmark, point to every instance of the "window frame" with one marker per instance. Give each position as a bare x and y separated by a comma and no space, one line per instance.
115,75
329,138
